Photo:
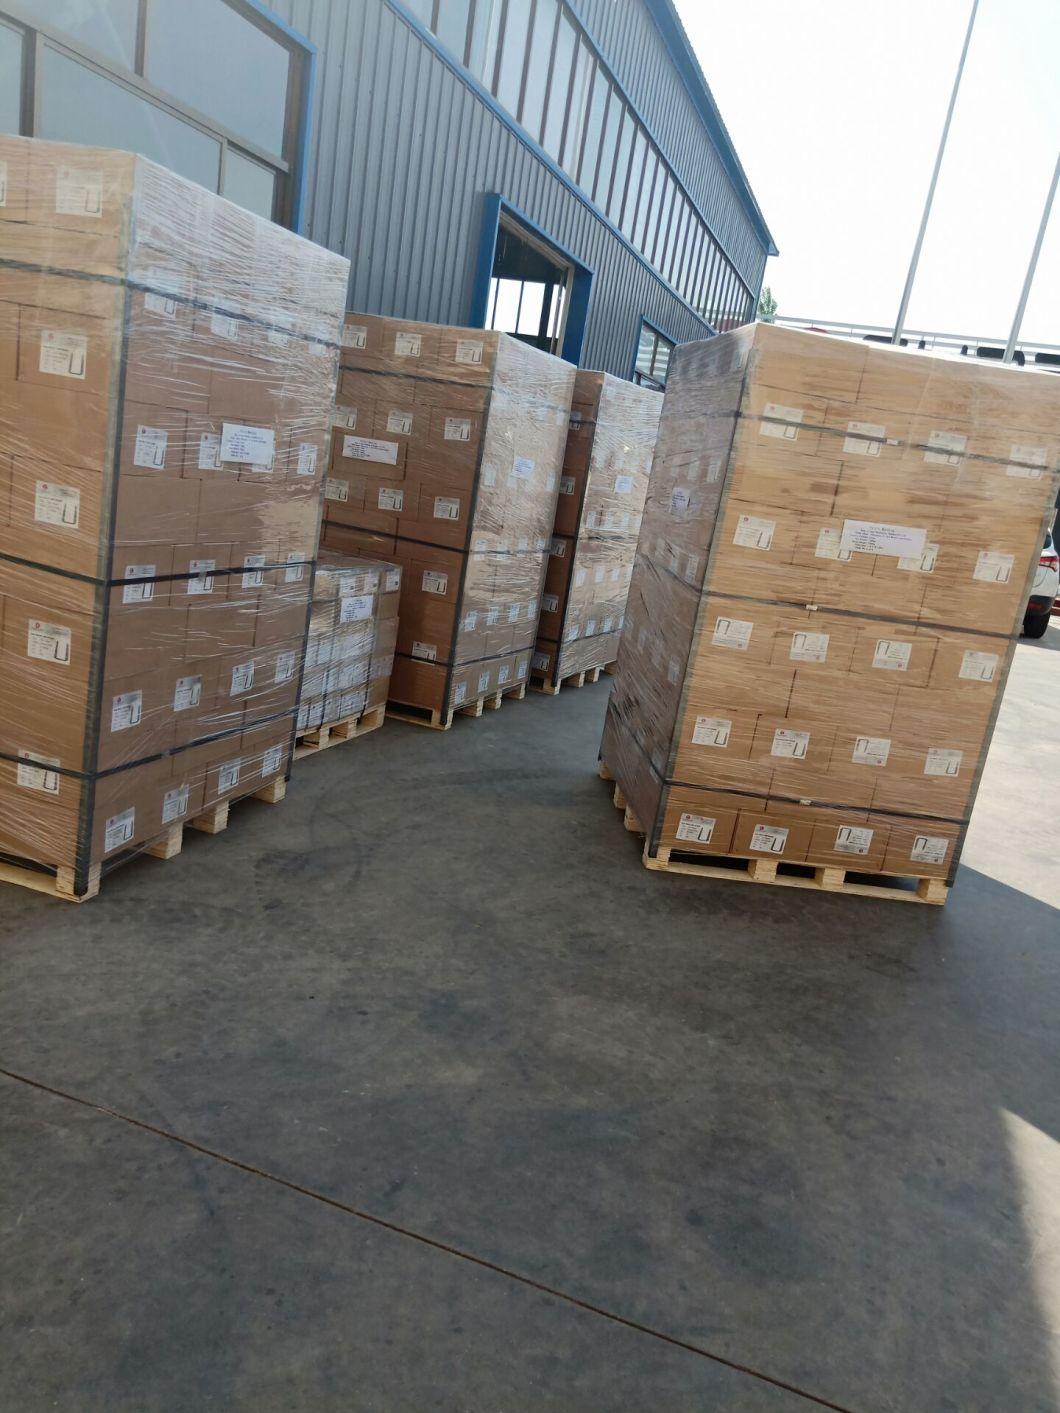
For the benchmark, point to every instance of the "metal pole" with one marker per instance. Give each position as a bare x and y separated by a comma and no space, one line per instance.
1010,347
899,323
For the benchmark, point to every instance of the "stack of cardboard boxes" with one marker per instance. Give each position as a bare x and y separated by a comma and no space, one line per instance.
349,653
834,563
610,443
446,457
167,362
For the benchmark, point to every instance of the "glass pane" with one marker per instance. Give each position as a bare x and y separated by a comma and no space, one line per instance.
671,259
648,187
621,172
452,25
205,54
537,69
79,105
645,349
558,93
555,323
10,79
612,121
249,184
597,102
506,307
636,171
572,143
530,309
513,56
106,25
422,9
484,30
659,225
662,360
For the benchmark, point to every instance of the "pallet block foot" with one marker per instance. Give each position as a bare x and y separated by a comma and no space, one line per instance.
619,797
211,821
603,771
168,845
65,882
273,792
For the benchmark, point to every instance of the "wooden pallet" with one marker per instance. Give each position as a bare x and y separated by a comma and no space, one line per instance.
59,883
335,732
573,679
437,720
827,878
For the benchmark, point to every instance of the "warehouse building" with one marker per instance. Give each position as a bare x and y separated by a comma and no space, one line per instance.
554,170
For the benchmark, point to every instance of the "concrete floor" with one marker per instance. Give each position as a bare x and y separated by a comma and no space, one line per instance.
418,1092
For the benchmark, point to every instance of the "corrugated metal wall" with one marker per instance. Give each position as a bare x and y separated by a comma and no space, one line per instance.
401,156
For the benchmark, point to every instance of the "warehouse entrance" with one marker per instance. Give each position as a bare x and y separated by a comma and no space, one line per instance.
529,289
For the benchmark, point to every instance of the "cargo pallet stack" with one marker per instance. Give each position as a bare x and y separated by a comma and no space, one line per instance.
833,567
446,456
167,363
612,433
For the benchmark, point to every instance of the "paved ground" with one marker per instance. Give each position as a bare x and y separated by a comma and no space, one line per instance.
418,1092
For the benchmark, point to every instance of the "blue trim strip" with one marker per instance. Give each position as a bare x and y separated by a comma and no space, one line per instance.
483,94
487,249
577,315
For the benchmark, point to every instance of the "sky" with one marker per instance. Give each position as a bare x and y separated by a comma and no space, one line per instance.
836,107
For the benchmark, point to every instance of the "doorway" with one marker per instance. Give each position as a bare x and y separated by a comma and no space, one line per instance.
529,289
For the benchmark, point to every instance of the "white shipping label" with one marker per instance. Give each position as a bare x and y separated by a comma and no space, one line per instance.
679,500
922,563
769,839
599,574
307,459
50,642
253,571
459,693
550,603
929,849
399,422
175,804
63,355
493,614
223,326
434,581
119,830
228,776
150,449
38,772
523,468
286,665
892,655
468,351
863,438
483,681
353,608
160,304
871,750
140,584
272,760
753,532
336,490
392,582
697,827
942,761
242,678
427,651
623,485
470,621
343,417
566,485
850,839
408,345
711,731
539,661
254,446
187,694
57,505
446,508
1033,460
946,448
732,633
201,581
792,745
354,336
504,674
458,429
557,547
370,449
993,567
979,667
210,452
579,578
390,498
489,476
875,537
513,612
3,183
782,427
828,547
295,571
79,191
590,520
809,647
126,710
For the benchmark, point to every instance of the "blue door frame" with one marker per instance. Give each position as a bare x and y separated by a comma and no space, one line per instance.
581,285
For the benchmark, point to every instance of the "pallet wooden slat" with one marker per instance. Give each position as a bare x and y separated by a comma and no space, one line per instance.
335,732
552,687
435,719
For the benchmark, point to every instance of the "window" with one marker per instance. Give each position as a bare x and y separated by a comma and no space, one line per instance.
559,87
508,83
537,68
78,104
528,289
202,86
451,25
653,358
10,79
579,94
594,126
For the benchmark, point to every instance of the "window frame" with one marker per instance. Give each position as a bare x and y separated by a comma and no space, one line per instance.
648,380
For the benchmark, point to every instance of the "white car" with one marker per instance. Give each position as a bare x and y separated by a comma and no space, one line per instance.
1044,591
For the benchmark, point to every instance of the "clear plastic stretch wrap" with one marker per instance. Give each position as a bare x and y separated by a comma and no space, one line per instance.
349,652
446,456
833,567
613,426
167,367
